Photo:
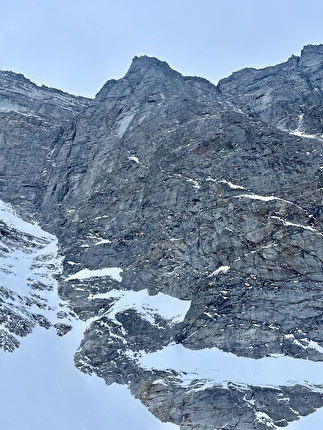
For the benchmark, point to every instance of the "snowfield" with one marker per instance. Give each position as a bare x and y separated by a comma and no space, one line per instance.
219,367
40,388
311,422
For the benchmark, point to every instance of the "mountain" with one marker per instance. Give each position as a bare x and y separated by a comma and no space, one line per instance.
188,221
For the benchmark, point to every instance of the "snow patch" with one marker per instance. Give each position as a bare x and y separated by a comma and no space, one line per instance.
111,272
222,269
307,344
265,419
310,422
169,308
103,241
223,181
40,386
307,136
10,217
299,130
231,185
257,197
219,367
133,158
72,263
195,183
31,260
305,227
315,345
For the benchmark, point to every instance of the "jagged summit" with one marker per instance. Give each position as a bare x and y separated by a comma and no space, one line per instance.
148,76
19,95
10,77
151,70
145,75
145,63
311,56
18,82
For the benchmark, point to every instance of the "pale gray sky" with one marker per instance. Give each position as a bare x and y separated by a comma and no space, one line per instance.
77,45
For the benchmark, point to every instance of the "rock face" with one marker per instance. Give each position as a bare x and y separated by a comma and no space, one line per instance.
207,203
32,120
288,96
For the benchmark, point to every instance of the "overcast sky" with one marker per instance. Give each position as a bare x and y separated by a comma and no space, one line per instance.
77,45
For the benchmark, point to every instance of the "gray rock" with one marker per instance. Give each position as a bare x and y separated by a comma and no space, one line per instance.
199,192
288,96
32,119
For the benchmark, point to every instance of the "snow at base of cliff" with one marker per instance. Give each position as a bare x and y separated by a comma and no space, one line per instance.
42,389
40,386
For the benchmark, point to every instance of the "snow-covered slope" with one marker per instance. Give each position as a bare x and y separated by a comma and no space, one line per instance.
218,367
40,386
42,389
311,422
28,288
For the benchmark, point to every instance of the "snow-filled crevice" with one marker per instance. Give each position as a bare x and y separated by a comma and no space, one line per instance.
299,131
29,263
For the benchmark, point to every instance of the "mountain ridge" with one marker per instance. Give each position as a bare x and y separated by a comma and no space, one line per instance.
287,96
208,198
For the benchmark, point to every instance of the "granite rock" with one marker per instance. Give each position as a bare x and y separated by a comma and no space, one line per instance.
206,195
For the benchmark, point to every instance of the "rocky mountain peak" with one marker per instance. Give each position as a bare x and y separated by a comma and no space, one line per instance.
146,76
312,56
19,95
12,79
145,70
145,65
